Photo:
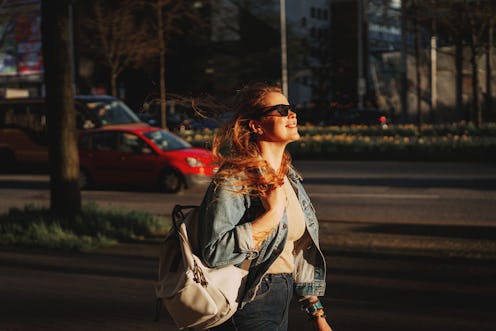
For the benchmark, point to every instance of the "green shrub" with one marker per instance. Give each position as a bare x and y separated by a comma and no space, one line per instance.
456,142
33,226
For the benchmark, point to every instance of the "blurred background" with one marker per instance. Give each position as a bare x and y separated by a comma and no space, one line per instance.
395,104
416,61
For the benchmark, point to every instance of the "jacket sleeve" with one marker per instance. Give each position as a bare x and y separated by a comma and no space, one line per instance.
223,239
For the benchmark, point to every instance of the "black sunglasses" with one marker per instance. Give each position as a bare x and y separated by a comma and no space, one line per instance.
283,110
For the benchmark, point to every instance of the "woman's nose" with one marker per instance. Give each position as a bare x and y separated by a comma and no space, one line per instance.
291,114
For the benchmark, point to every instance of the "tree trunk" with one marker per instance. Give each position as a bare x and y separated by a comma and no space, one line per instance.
113,83
65,197
403,70
161,46
475,82
459,79
489,69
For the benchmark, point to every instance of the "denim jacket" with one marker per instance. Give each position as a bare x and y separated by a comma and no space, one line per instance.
225,235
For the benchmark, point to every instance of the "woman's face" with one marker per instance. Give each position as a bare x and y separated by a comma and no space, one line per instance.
276,127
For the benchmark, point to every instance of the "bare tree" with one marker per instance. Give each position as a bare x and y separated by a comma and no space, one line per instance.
489,50
119,37
471,23
450,18
480,22
417,13
473,15
65,197
317,59
170,15
458,31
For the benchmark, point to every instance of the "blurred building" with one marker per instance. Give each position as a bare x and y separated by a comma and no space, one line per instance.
307,29
308,26
330,59
415,59
340,53
366,43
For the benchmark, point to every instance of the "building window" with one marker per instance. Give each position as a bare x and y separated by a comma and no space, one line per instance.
312,12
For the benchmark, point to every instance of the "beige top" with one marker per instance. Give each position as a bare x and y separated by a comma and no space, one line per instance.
296,228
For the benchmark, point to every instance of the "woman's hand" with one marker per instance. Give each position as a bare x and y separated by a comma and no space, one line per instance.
274,204
320,324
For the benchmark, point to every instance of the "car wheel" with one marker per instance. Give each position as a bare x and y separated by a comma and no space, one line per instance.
84,179
171,181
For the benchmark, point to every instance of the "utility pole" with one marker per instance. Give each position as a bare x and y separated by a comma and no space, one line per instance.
284,52
433,70
433,75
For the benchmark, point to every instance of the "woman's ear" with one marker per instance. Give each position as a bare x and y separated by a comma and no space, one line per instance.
255,127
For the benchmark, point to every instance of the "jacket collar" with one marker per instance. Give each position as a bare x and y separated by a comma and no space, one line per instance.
294,174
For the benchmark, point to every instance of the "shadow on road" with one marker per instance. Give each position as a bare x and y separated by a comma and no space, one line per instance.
449,231
36,184
476,184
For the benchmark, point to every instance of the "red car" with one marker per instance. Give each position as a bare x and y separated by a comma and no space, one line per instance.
137,154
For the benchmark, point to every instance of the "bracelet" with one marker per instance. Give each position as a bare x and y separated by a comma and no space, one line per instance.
314,307
319,313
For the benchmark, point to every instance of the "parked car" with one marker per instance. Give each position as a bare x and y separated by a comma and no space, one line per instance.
137,154
367,116
23,125
107,110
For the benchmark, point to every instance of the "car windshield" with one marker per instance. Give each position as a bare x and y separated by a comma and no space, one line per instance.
112,111
166,141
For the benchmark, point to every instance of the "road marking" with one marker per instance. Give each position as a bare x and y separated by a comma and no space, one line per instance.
376,195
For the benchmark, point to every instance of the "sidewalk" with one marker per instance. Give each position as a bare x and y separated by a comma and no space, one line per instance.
97,291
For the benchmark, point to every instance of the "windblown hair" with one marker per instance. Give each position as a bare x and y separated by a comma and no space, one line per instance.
236,151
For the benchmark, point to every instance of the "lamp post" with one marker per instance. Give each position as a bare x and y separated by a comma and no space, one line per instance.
284,55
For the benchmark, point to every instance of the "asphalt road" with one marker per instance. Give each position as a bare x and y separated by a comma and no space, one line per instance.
381,192
391,232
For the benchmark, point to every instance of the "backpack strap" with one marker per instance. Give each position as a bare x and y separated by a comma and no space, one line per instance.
178,215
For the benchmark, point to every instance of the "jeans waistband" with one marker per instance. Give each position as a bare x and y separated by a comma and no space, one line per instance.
271,277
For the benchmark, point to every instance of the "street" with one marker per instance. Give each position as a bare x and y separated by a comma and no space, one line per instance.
409,246
382,192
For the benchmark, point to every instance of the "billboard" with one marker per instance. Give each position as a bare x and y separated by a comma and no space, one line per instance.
20,38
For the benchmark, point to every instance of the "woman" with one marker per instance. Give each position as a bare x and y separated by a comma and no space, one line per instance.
257,210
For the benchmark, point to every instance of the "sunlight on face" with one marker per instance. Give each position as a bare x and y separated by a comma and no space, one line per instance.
280,129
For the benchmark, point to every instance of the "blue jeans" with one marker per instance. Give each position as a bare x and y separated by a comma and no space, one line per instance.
269,309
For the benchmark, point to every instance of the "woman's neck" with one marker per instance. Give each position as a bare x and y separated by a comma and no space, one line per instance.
272,153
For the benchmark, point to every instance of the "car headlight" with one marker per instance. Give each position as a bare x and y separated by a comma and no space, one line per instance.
194,162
